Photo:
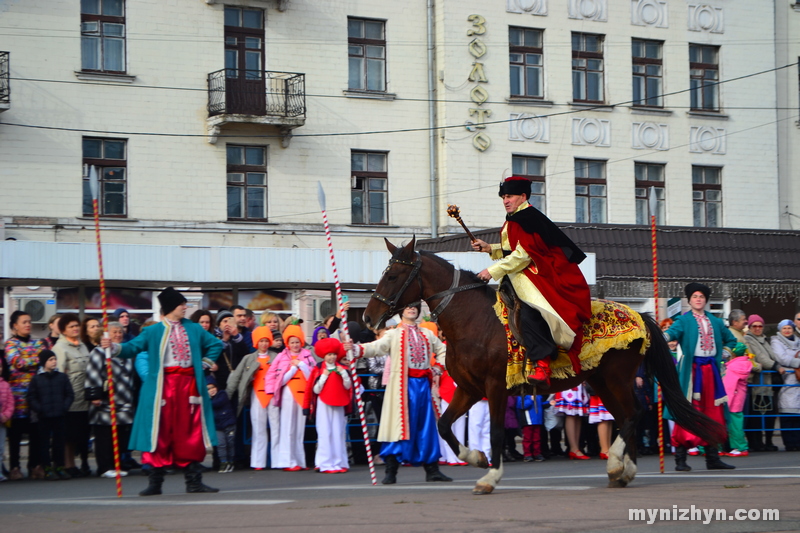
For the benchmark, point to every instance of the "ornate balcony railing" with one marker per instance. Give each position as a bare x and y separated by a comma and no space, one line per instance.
257,93
5,86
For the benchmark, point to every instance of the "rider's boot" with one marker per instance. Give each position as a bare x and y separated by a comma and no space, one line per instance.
541,372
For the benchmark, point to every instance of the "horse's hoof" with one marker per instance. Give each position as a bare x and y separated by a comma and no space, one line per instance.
482,488
617,484
482,461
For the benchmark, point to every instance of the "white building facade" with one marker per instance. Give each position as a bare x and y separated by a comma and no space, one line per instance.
211,123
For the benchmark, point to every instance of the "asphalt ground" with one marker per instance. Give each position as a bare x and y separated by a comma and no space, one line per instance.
555,495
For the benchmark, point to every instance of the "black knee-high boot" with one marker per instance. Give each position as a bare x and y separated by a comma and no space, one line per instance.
194,479
391,470
155,479
680,459
432,473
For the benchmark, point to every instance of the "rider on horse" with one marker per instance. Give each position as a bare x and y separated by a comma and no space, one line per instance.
541,263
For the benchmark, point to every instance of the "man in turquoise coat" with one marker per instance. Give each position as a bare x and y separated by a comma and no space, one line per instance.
702,338
174,422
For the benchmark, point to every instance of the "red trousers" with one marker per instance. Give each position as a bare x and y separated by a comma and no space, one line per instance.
180,428
681,437
531,441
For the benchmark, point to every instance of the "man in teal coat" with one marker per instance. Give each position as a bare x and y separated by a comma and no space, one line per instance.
702,337
174,422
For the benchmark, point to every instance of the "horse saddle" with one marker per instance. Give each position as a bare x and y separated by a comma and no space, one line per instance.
514,306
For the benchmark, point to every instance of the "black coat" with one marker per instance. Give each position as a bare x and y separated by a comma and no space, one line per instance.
224,413
50,394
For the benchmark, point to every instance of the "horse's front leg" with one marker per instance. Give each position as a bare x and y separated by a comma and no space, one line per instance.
498,400
457,408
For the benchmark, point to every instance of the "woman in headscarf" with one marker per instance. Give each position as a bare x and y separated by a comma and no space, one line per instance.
786,345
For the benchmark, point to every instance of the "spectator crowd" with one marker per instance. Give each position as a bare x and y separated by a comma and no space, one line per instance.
283,401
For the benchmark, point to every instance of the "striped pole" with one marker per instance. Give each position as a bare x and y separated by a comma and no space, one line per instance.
93,185
340,301
653,206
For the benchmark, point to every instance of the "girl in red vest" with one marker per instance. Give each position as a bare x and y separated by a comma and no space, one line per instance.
327,395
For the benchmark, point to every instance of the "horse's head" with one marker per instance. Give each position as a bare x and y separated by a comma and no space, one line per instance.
396,288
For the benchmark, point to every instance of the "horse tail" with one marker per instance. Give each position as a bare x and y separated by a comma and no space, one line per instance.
659,362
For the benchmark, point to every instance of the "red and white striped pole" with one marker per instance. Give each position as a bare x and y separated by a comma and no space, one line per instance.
653,201
93,186
340,302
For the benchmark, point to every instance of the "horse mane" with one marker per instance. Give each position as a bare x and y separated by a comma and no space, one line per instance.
466,275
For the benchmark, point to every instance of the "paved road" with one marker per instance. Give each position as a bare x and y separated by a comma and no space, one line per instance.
557,495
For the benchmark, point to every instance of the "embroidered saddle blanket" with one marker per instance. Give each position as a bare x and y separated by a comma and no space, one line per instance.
613,326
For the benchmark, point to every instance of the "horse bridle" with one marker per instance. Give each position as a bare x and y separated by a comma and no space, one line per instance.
392,303
446,295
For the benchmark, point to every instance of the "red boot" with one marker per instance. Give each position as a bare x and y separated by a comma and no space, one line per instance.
541,372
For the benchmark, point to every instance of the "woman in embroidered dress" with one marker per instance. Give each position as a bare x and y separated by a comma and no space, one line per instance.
573,404
786,345
598,414
286,381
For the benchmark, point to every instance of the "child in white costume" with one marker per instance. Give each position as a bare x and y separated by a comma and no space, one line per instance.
327,396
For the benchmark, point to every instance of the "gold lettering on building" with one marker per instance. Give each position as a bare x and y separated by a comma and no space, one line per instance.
478,94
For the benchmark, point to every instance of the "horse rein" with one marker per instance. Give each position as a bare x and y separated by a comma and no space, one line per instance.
446,295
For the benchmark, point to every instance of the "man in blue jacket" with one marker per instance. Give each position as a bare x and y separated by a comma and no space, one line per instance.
702,338
174,422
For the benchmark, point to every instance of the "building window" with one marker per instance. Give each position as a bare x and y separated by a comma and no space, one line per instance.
103,36
109,157
707,196
649,175
704,77
647,73
590,191
525,62
247,182
369,193
587,67
366,45
531,168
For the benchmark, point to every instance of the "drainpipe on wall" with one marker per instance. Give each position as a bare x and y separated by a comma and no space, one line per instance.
432,124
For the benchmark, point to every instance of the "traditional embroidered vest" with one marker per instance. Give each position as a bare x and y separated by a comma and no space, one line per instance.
258,381
333,392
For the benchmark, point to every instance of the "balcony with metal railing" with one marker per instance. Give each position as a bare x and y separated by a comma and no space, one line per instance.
274,99
5,83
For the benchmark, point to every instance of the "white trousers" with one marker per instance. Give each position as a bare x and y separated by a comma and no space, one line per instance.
459,430
260,419
289,450
479,428
331,438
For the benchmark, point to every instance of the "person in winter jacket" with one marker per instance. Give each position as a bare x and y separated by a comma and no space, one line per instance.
530,411
50,396
96,392
327,396
786,345
6,408
22,356
225,424
763,396
247,384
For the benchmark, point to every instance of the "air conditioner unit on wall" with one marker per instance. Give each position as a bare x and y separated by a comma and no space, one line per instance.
40,309
322,308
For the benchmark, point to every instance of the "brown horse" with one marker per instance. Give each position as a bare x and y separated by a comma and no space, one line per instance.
476,359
